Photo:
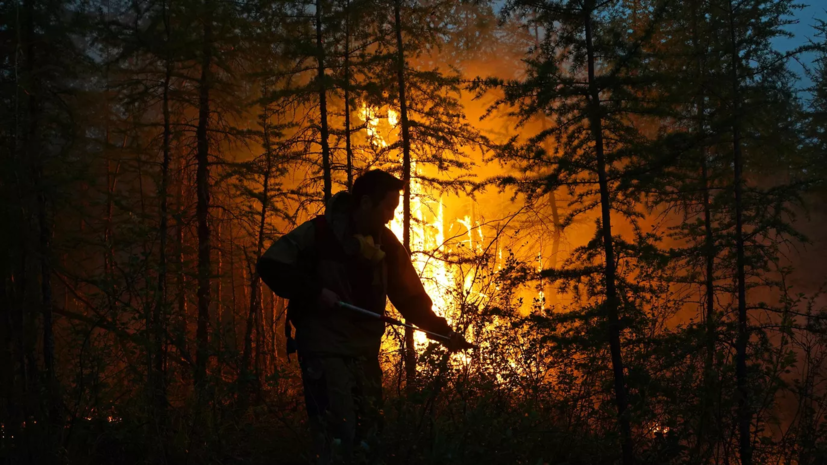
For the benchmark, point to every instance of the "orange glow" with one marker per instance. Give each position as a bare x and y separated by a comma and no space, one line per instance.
435,235
657,428
428,234
369,116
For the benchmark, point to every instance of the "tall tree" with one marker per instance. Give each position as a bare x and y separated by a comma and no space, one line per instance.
39,129
159,316
267,166
431,147
695,177
321,82
594,113
347,97
202,183
410,354
817,120
753,69
33,151
744,408
589,76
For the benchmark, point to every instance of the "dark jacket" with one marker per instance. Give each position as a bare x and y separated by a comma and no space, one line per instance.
323,253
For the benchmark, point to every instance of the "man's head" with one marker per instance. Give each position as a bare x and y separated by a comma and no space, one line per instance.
375,196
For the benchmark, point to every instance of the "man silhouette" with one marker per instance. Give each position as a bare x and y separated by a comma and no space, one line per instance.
347,255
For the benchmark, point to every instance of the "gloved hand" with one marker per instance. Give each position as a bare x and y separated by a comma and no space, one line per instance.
327,299
456,342
368,249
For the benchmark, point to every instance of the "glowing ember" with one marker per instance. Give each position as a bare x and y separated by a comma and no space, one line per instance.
657,428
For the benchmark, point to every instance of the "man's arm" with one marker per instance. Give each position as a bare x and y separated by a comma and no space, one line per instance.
405,290
280,267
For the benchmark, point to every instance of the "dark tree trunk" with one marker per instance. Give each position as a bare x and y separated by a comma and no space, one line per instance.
255,282
558,230
34,153
245,373
259,334
612,302
555,214
203,205
555,220
181,296
348,149
744,411
45,236
707,416
410,350
323,130
159,314
45,281
218,331
234,300
705,439
274,343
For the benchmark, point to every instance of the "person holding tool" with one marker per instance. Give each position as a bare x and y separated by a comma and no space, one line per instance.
338,270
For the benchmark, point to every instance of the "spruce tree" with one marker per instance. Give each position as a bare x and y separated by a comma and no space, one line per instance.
817,118
725,102
432,133
757,79
590,76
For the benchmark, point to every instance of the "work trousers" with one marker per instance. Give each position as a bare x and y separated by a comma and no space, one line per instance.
343,396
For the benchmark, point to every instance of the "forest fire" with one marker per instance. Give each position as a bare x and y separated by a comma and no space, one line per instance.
613,208
428,229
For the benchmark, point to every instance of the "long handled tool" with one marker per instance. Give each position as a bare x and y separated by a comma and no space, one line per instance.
393,321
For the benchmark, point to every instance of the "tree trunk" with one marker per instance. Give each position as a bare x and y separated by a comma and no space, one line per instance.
612,302
245,374
219,289
558,230
181,296
34,153
274,354
557,233
45,236
707,415
255,282
410,349
555,214
710,319
259,335
203,205
159,315
234,303
323,131
744,413
348,149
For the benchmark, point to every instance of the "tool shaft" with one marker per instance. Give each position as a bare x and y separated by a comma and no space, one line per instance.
392,321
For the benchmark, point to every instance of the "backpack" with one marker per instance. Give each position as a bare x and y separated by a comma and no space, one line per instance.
323,236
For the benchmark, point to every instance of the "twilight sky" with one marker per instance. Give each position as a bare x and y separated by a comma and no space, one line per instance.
803,31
